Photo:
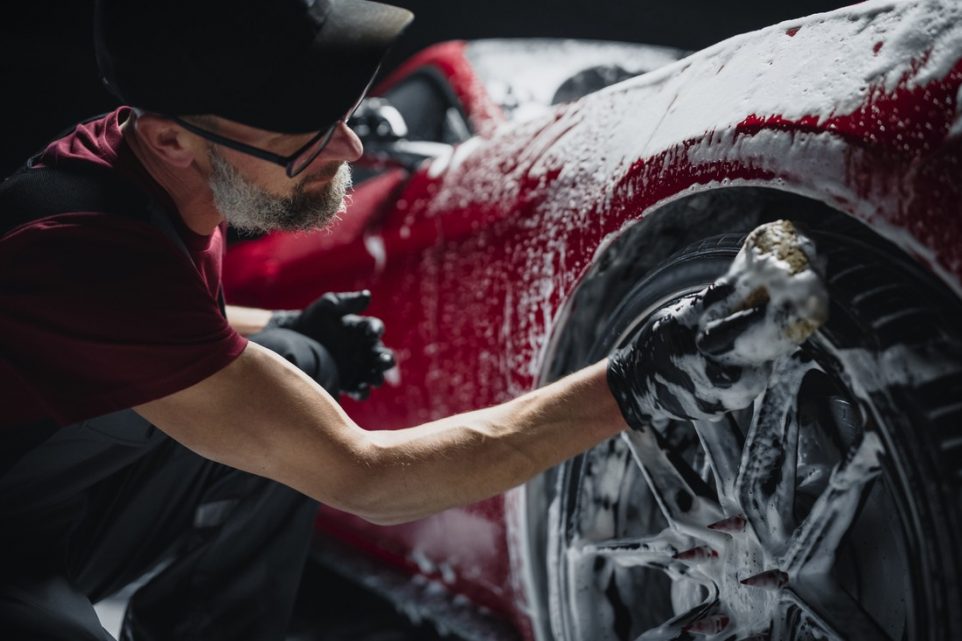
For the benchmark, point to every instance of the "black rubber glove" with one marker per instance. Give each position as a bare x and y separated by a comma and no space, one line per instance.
673,369
353,341
712,352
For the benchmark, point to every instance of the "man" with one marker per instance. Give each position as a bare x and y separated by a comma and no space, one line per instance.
239,116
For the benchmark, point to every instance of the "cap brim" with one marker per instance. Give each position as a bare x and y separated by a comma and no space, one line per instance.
314,93
360,23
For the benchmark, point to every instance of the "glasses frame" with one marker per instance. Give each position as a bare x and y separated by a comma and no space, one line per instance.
287,162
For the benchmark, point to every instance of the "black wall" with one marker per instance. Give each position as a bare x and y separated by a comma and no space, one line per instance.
49,77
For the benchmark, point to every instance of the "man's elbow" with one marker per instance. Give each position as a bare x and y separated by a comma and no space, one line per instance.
374,492
351,474
378,507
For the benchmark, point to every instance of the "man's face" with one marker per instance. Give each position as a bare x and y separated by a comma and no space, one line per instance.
257,196
314,200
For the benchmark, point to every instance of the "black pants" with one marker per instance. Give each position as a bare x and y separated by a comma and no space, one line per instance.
101,503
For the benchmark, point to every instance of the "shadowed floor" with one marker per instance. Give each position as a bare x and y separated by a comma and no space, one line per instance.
328,608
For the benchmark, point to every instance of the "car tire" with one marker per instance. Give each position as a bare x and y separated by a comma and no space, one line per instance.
875,404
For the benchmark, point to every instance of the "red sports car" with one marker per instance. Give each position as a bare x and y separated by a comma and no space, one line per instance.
525,205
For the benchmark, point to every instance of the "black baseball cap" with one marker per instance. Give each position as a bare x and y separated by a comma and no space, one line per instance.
290,66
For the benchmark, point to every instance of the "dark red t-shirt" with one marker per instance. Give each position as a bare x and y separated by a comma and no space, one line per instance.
101,312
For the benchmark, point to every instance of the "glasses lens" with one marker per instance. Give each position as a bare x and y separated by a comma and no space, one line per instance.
310,152
316,146
360,99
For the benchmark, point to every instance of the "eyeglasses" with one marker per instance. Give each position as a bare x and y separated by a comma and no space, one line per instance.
293,164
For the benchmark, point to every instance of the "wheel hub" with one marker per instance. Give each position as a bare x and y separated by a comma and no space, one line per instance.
741,573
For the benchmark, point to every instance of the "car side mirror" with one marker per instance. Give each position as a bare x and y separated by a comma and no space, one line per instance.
384,134
377,122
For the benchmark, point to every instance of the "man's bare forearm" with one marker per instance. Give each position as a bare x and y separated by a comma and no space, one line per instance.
472,456
247,320
262,415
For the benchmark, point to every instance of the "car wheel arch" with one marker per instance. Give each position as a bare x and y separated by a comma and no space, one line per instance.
667,227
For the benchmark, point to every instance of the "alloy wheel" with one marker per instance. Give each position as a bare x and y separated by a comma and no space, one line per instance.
774,523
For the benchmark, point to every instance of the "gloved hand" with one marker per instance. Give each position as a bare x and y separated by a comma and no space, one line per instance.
353,341
712,352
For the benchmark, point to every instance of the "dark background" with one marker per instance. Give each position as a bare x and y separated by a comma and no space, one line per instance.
49,77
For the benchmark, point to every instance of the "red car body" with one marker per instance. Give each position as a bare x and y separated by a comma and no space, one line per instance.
473,256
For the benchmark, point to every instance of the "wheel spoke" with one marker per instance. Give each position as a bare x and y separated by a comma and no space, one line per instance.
813,545
765,487
781,629
834,612
724,452
681,505
657,551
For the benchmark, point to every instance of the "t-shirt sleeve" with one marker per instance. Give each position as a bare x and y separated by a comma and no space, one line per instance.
100,313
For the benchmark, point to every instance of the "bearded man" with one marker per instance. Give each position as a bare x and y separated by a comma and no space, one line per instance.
145,425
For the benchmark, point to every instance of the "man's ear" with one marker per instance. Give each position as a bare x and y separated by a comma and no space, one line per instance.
169,141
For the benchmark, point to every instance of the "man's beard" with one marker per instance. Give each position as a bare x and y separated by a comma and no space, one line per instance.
249,208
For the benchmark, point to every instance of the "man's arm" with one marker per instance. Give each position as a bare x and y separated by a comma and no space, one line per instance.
262,415
707,354
247,320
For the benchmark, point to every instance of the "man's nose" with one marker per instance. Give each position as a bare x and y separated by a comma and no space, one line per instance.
344,145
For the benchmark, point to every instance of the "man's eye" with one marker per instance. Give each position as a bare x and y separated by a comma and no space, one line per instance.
293,144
